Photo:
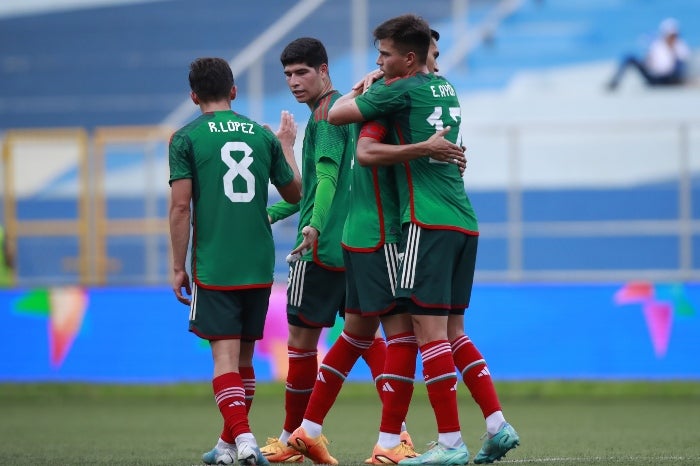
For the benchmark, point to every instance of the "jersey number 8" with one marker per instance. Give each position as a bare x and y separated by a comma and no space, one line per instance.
238,168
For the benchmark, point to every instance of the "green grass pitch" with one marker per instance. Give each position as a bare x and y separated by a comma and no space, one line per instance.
571,423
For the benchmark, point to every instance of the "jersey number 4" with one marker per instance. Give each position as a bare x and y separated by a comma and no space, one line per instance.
238,169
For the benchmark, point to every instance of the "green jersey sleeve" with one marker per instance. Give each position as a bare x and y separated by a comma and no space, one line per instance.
326,149
327,174
330,141
382,99
281,210
179,150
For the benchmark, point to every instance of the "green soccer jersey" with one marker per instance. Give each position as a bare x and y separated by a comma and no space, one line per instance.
373,216
323,140
431,193
231,161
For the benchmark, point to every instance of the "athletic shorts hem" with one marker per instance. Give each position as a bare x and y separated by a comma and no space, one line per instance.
298,315
362,313
222,337
251,286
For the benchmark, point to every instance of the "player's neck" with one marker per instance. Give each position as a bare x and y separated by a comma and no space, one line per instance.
210,107
326,89
419,69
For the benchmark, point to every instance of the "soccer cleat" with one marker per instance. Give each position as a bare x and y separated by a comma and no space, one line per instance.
313,448
382,455
277,452
220,456
438,454
496,447
249,455
406,438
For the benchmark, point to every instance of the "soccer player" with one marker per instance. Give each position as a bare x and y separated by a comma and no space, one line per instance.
439,226
221,164
370,242
501,437
316,287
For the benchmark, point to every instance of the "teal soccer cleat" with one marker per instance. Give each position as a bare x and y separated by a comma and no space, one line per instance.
438,454
220,456
496,447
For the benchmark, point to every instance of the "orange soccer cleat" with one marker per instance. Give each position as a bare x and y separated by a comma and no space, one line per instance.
313,448
277,452
382,455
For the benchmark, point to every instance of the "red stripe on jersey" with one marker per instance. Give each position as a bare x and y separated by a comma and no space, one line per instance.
411,195
376,131
323,107
232,287
354,249
443,227
317,261
427,226
380,214
378,200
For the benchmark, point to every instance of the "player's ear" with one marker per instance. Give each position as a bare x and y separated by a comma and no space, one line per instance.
194,98
410,58
323,69
233,93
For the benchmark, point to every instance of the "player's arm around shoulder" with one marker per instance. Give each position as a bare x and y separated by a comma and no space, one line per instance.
345,109
372,151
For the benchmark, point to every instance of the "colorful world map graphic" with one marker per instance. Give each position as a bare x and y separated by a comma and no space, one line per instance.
660,304
90,316
64,308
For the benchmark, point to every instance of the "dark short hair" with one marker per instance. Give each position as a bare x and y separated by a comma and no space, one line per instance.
211,79
410,33
306,50
435,35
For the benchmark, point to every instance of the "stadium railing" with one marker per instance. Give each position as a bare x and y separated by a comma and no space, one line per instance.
579,201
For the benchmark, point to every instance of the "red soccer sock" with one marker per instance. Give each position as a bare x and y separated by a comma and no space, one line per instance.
396,382
226,435
440,381
230,397
334,369
476,375
375,357
303,367
248,376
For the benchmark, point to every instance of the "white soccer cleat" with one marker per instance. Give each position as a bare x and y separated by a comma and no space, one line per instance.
249,455
220,456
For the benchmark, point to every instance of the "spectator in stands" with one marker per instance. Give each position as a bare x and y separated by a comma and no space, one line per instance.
666,60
